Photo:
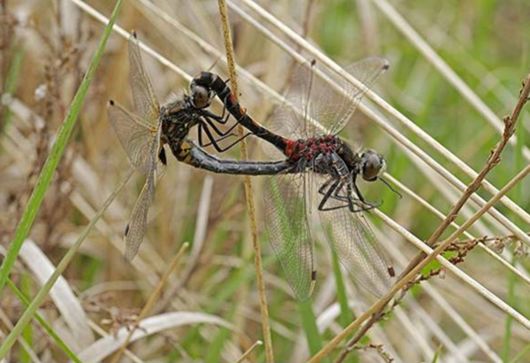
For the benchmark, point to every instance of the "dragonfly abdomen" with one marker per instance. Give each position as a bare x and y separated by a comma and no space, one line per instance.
215,83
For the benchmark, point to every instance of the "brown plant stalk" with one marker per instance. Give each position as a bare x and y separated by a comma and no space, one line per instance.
230,59
421,260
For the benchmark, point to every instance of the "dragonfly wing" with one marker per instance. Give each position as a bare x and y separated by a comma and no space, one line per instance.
289,118
145,102
288,231
135,231
320,102
327,100
134,136
338,106
354,242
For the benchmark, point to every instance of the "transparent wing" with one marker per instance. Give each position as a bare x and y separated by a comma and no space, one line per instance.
354,242
324,97
288,230
135,231
145,102
289,118
334,107
134,136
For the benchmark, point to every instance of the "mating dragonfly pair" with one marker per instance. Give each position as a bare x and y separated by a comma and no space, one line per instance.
317,164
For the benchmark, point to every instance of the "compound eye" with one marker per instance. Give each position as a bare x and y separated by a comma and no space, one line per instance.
372,164
200,96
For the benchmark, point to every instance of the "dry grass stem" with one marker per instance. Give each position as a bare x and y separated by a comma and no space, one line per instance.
443,68
420,261
151,301
249,351
436,111
385,125
249,195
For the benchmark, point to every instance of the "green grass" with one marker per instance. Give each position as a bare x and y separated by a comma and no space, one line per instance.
56,152
485,42
44,324
39,192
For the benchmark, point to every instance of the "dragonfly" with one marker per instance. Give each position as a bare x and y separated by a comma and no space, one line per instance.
144,132
327,170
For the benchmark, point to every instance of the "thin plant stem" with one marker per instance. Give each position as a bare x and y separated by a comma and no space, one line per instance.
493,160
151,301
44,324
269,355
56,152
257,343
405,280
63,264
422,259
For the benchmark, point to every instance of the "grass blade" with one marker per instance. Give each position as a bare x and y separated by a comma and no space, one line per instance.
49,330
45,177
309,324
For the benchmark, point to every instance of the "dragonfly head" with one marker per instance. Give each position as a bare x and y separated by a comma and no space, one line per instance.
371,165
201,97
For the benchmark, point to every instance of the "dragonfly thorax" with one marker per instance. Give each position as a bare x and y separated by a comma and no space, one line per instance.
311,148
177,118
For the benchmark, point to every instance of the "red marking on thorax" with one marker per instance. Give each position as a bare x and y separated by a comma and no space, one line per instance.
311,147
290,146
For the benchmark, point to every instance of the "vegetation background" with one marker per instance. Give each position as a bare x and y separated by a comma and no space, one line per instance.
209,308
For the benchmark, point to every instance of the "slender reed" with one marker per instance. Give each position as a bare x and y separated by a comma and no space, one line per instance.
269,355
420,261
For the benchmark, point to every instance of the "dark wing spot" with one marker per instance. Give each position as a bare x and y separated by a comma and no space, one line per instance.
391,271
162,156
126,229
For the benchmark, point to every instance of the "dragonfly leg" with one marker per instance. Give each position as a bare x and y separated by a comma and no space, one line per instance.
343,198
208,120
364,205
322,188
235,142
199,134
222,119
203,127
336,195
337,185
357,191
350,198
353,204
217,140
